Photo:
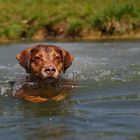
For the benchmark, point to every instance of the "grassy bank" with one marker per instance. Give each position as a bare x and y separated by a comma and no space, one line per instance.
90,19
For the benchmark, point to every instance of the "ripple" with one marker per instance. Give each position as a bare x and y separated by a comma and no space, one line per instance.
93,74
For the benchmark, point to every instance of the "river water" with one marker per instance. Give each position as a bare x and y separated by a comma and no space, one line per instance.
103,101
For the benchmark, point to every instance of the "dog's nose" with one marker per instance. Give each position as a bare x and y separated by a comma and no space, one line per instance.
50,70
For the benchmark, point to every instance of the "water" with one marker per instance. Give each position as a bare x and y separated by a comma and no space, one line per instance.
103,101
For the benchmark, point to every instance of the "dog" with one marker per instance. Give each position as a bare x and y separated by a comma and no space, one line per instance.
45,63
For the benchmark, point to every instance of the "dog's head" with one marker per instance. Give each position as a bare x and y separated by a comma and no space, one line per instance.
45,61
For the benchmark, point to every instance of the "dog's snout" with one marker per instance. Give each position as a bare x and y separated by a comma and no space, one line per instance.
50,70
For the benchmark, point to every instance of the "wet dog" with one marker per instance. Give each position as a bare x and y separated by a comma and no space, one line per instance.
44,63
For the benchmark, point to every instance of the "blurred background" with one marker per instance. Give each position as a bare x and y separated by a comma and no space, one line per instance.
69,19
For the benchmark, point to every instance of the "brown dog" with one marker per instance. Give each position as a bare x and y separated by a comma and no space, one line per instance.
46,62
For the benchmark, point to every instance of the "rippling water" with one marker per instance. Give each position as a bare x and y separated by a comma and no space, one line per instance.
104,101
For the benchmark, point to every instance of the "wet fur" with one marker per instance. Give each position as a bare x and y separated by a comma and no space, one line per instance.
34,60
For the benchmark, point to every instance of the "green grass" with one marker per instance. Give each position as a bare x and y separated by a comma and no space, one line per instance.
18,17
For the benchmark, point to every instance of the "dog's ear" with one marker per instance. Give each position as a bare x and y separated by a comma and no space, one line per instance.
67,59
24,58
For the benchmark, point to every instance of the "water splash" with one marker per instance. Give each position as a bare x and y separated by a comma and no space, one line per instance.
94,73
123,74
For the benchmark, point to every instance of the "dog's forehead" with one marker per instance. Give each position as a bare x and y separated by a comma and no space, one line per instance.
46,49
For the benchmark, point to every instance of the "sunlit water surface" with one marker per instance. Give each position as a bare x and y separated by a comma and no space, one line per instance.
104,100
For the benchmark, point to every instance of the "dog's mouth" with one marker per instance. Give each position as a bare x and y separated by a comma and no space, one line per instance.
47,78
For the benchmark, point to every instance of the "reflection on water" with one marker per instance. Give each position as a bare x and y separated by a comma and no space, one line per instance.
98,97
40,91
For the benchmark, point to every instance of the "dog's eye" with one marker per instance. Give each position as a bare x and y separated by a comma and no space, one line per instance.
37,58
57,58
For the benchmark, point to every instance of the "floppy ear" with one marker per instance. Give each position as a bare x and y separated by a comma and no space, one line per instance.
67,59
24,58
